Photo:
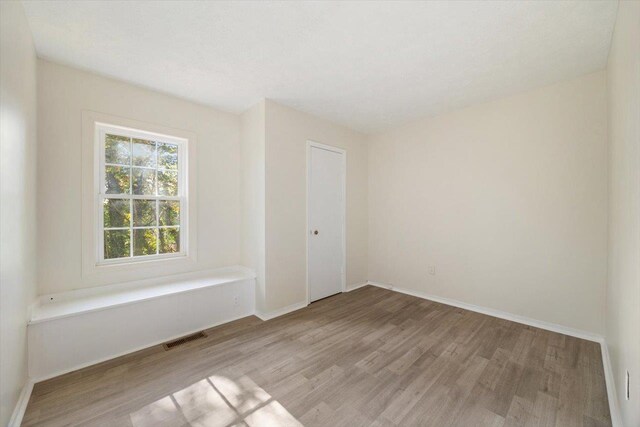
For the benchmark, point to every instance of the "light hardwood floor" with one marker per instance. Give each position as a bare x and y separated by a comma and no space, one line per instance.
369,357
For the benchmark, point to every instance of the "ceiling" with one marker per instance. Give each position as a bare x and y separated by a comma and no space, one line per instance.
366,65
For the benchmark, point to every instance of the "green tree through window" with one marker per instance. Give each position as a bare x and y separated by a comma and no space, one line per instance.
141,196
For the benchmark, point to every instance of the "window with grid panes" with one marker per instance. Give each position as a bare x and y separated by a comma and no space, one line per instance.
142,197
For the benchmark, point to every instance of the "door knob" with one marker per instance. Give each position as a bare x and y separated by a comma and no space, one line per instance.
315,231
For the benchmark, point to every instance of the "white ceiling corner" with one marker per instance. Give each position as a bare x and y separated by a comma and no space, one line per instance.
366,65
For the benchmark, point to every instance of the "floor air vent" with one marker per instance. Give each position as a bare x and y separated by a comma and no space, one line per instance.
175,343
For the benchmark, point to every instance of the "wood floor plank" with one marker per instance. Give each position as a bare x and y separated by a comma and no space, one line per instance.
371,357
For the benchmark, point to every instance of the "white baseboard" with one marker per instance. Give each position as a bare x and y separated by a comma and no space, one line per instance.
21,405
589,336
281,312
297,306
616,419
356,286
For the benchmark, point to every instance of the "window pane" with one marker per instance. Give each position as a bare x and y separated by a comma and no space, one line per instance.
116,243
117,213
116,179
167,156
117,149
144,213
144,181
167,183
144,153
169,212
145,241
169,240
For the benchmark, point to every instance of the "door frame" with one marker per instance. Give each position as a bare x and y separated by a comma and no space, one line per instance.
313,144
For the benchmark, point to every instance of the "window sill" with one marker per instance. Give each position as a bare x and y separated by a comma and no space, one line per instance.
138,260
66,304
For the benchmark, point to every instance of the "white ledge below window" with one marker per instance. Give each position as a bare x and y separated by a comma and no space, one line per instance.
56,306
71,330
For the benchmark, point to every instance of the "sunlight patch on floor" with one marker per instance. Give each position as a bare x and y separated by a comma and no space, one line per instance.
216,401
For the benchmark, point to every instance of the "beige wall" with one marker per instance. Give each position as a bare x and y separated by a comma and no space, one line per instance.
287,133
251,183
252,141
17,199
63,94
506,199
623,291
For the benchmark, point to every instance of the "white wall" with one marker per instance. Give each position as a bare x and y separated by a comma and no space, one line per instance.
508,200
287,132
252,141
63,94
623,291
17,199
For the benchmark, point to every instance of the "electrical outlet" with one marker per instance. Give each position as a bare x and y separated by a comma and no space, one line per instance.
235,300
627,386
432,270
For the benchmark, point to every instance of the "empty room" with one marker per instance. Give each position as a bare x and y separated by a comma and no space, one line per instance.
320,213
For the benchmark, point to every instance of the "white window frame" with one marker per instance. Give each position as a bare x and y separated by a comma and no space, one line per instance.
101,130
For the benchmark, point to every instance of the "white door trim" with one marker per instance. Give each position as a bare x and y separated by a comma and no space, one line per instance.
315,144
